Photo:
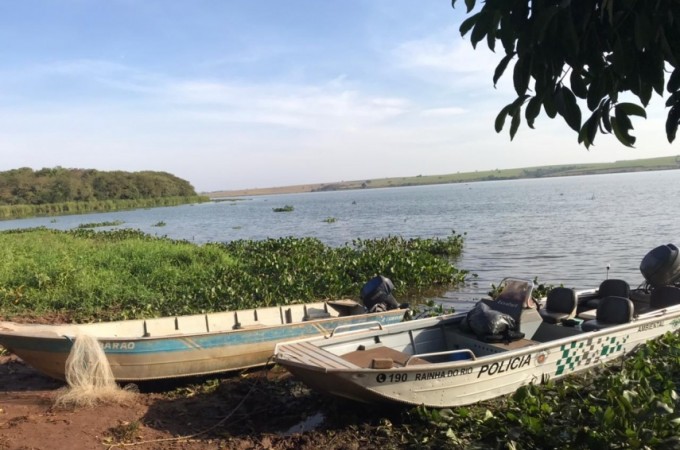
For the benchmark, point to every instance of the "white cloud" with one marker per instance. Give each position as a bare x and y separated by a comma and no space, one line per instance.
446,59
443,112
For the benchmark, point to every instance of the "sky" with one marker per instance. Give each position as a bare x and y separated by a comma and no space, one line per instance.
237,94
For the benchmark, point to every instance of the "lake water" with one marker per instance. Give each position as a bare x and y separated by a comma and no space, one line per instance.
561,230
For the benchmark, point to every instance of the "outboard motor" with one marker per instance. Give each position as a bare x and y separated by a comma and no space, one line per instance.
661,266
377,294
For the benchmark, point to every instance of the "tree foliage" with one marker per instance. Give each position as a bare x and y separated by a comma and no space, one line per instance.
569,53
58,185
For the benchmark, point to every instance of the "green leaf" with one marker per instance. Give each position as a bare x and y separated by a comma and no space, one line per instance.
578,84
622,134
643,31
468,24
596,91
645,93
493,28
622,119
481,28
549,106
672,122
583,135
522,74
569,35
469,4
542,21
572,113
533,110
500,118
507,34
609,415
592,127
500,68
674,81
514,124
674,99
632,109
606,120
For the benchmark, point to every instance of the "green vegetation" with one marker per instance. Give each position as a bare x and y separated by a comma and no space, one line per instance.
592,50
159,224
85,275
638,165
58,191
330,220
633,404
58,185
60,209
113,223
287,208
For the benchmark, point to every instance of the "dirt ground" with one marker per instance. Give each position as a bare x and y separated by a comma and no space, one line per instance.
265,409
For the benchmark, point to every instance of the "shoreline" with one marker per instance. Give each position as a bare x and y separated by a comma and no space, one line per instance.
638,165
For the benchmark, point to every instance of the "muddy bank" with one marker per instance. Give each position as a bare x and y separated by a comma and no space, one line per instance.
265,409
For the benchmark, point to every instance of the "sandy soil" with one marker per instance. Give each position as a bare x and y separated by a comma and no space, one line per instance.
264,409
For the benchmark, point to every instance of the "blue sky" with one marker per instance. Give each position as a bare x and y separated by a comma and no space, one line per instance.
241,94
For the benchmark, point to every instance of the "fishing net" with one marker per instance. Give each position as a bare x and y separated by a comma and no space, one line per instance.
89,377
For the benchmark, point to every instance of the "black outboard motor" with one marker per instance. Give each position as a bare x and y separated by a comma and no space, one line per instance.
661,266
377,294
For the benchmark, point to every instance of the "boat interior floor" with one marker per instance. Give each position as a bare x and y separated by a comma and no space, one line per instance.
381,357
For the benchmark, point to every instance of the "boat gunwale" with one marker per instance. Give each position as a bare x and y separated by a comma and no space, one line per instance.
33,330
672,312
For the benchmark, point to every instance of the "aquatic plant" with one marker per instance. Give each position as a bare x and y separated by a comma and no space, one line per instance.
287,208
113,223
83,274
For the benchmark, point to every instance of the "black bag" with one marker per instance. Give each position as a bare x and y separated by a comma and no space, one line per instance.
492,326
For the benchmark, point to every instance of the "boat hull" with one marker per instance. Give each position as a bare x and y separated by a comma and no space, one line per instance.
457,383
173,356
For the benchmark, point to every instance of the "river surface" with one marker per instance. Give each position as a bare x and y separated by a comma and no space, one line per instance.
561,230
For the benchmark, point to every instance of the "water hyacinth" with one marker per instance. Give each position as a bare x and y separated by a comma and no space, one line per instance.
84,274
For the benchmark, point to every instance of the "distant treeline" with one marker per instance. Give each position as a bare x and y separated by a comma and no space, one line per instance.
58,185
57,191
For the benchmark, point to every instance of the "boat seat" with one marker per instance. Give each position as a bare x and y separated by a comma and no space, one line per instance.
559,305
610,287
663,297
611,311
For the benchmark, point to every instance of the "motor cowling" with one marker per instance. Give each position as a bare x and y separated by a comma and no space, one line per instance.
661,266
377,294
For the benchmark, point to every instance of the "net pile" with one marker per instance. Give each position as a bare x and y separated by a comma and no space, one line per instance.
89,377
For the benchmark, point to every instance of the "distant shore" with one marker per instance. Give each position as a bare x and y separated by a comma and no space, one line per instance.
296,189
636,165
